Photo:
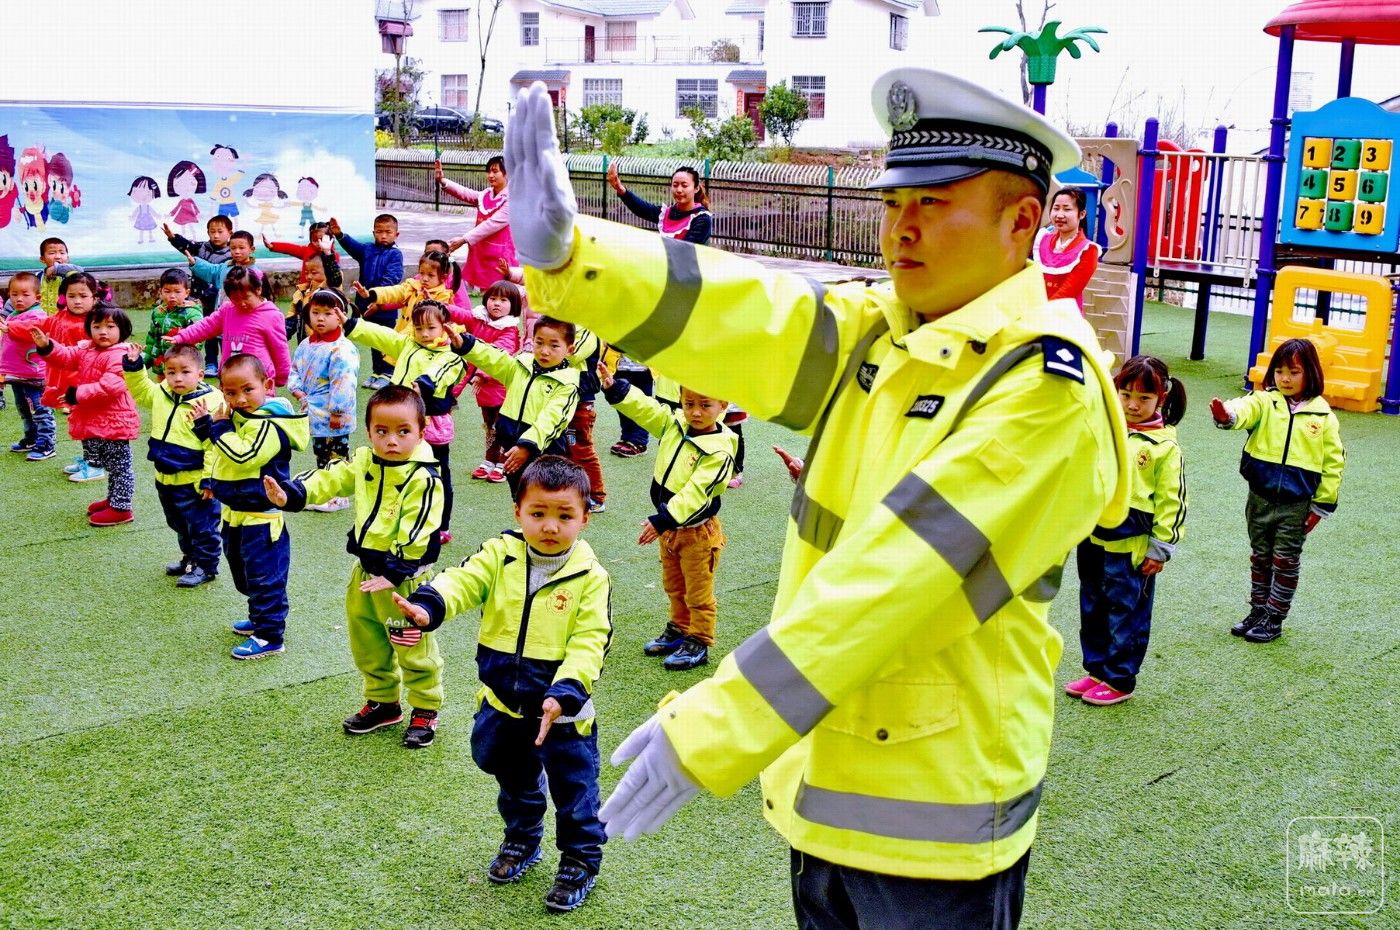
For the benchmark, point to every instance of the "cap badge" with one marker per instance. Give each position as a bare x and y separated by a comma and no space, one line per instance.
1032,163
902,105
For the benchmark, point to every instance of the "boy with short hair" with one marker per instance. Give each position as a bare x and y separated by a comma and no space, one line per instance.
541,393
381,265
253,437
398,508
694,461
53,252
183,460
23,369
173,313
214,250
535,712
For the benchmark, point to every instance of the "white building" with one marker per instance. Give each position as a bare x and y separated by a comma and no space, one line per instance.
661,56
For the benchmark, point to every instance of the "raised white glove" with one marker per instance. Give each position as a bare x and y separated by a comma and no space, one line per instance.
654,788
542,202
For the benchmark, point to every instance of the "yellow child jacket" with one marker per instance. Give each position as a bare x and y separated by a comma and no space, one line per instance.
1157,509
1290,455
539,402
179,456
899,703
436,369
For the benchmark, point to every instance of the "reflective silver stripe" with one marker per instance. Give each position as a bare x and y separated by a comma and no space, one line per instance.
780,683
815,369
1044,588
664,326
954,537
917,820
816,526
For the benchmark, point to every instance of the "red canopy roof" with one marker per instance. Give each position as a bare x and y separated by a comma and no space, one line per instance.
1369,22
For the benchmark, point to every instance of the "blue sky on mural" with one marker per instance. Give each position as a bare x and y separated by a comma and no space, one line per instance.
108,148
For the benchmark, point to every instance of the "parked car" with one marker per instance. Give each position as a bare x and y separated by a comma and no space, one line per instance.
448,121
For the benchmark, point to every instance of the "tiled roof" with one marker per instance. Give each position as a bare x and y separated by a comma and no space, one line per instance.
739,76
529,77
613,7
740,7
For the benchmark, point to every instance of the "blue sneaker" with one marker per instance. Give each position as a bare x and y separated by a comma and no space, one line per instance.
39,455
211,371
24,445
254,648
572,884
243,627
74,465
87,472
668,642
512,862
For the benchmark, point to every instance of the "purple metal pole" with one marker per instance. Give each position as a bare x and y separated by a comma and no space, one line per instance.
1390,401
1110,131
1038,98
1147,181
1347,64
1273,188
1214,191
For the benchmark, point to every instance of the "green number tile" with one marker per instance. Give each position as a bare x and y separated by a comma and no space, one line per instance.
1373,186
1313,184
1339,216
1346,153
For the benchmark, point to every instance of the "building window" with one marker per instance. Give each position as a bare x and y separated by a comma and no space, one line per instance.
760,35
809,19
452,25
813,87
697,92
602,90
529,29
899,32
454,90
621,36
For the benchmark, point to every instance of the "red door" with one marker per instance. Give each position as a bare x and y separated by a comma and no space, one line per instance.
751,102
588,40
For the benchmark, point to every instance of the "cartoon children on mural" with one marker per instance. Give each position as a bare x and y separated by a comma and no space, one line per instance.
63,193
143,219
9,192
34,187
185,180
307,189
225,164
266,194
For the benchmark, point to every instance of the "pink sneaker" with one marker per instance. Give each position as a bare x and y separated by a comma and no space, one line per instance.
1103,695
1083,685
481,471
497,475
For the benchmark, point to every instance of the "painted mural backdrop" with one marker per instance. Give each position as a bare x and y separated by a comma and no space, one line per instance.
106,179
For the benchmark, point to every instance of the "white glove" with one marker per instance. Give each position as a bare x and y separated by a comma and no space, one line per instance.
542,202
654,788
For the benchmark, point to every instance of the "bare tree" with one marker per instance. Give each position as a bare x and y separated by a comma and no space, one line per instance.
1047,6
483,42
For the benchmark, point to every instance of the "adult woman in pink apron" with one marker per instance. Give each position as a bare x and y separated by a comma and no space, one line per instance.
489,240
1068,257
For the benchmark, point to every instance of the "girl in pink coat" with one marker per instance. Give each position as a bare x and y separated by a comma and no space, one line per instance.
104,417
248,321
497,321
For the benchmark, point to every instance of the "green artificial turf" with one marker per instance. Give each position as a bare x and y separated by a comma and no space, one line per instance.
154,783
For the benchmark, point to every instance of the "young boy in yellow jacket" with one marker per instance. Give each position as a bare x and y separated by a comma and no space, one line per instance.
398,509
545,627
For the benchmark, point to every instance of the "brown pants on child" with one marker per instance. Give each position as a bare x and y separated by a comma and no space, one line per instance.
581,451
689,557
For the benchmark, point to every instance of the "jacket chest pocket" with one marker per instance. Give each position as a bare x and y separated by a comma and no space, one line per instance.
891,712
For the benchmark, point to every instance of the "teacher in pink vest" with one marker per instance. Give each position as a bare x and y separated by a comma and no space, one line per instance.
490,238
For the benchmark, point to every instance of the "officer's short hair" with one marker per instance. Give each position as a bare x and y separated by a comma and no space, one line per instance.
554,473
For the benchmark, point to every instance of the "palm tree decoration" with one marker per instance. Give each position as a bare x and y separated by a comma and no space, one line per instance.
1043,50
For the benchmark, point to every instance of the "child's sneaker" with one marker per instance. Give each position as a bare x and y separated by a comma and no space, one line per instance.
1104,694
498,474
24,445
736,482
87,472
211,371
373,716
195,577
668,642
176,569
1266,630
572,884
627,450
254,648
444,537
512,861
422,727
243,627
481,471
1251,620
1081,686
690,654
97,506
39,455
73,466
330,506
596,506
110,517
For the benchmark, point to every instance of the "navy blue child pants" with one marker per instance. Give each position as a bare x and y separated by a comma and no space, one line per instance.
1115,615
260,565
567,763
195,522
642,380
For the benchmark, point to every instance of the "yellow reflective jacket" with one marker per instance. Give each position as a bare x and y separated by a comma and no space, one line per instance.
1157,509
539,402
398,508
548,644
1292,455
179,456
436,369
249,446
691,472
899,703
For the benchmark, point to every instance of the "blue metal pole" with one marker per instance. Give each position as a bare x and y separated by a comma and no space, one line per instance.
1147,181
1348,64
1038,98
1390,401
1213,194
1268,223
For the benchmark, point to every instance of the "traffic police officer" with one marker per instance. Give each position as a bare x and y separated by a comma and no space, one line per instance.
965,436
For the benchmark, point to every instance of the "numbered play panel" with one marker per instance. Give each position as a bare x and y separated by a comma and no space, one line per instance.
1338,187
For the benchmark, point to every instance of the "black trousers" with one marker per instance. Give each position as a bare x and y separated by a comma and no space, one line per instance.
827,896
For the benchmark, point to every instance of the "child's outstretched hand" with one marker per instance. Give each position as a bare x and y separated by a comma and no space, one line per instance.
437,171
1151,567
274,492
516,459
411,611
199,409
649,534
793,463
454,337
267,243
360,289
133,351
189,257
503,268
605,377
39,337
1218,413
169,233
333,227
549,712
375,584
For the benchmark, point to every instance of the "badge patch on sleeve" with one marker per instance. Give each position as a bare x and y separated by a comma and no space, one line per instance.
925,406
1063,358
865,375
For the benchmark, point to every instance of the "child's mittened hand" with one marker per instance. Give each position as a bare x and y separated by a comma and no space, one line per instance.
1151,567
376,584
549,712
274,492
418,615
649,534
1218,412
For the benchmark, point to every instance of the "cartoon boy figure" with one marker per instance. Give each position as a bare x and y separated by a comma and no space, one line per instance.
225,161
9,193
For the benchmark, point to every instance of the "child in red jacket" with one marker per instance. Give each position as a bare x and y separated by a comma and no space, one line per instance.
77,294
103,416
496,321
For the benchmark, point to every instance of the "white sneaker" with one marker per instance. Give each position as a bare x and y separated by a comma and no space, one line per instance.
330,506
86,472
